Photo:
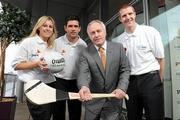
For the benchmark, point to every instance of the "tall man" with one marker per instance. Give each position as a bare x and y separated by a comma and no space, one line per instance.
145,51
109,75
70,46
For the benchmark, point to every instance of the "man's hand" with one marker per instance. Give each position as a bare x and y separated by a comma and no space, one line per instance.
119,94
85,94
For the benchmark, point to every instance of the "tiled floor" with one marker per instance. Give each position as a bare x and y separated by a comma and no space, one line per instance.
22,112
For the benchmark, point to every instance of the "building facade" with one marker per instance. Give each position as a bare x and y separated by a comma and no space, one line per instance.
161,14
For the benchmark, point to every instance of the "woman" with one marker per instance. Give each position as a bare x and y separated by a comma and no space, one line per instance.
28,60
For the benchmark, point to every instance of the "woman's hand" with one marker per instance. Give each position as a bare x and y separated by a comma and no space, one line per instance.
43,65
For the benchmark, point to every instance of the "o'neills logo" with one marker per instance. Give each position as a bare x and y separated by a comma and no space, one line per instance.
58,61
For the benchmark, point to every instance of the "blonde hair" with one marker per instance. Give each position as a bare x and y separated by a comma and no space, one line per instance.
39,23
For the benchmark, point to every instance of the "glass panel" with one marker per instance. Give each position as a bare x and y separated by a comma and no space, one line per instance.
168,23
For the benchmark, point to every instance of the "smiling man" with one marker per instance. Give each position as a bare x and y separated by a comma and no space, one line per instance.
69,46
145,51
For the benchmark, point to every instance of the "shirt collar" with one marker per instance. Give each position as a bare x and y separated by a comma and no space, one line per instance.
104,46
135,33
70,43
39,39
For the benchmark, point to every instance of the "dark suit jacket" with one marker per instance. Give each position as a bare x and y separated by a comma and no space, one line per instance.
92,74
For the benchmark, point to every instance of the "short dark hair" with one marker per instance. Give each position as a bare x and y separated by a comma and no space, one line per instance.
71,17
123,6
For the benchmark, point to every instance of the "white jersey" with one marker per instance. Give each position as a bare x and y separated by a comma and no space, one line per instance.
70,51
142,47
31,49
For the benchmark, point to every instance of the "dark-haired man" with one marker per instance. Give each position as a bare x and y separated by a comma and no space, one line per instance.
70,46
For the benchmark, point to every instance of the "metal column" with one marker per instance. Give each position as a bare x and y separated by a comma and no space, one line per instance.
146,12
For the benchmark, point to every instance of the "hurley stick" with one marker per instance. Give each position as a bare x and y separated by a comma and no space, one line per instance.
39,93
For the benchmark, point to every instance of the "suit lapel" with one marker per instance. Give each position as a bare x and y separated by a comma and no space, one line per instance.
109,56
93,51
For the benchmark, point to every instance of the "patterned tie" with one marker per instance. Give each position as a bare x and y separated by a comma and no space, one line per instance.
102,56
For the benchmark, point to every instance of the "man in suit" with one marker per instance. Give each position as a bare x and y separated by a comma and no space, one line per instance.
97,76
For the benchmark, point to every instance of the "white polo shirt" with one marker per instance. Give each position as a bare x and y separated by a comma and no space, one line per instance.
31,49
142,47
70,51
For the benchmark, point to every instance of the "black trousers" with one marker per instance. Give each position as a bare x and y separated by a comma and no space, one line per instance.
145,91
74,106
41,112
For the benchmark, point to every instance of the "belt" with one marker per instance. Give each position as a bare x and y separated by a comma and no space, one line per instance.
151,72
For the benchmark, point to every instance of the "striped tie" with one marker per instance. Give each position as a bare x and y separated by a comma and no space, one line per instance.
102,56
